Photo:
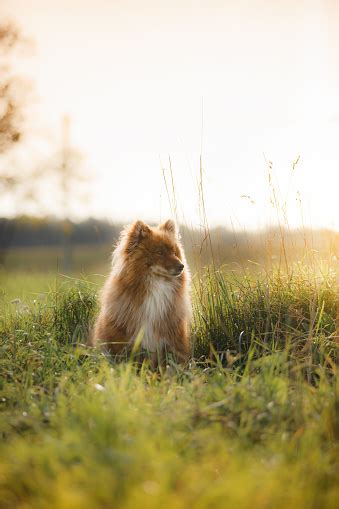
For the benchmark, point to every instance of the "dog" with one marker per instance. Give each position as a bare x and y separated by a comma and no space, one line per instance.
147,295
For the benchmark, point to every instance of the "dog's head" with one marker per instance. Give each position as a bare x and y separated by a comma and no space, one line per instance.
155,249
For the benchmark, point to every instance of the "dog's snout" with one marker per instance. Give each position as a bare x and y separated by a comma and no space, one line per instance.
181,267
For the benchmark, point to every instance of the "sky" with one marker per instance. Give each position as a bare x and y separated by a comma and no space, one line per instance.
246,85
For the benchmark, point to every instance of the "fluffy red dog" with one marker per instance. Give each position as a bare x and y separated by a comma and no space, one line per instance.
148,291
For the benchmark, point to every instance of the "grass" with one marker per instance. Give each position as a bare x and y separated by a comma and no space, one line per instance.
30,273
270,311
89,258
249,423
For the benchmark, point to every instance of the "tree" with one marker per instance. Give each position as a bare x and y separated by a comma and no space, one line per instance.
10,100
10,114
13,99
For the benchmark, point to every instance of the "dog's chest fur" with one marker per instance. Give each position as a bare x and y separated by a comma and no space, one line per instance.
159,298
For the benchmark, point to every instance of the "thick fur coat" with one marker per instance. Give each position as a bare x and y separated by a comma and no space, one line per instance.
147,294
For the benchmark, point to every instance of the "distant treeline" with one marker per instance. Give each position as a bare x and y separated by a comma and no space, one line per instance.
30,231
219,245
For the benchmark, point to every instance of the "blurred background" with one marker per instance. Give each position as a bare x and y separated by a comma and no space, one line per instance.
221,114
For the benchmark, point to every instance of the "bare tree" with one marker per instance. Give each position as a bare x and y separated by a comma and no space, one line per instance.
66,167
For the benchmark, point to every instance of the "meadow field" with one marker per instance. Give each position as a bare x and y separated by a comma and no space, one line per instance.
249,423
224,117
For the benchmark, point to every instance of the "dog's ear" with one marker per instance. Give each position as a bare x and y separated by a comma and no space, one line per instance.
169,226
137,232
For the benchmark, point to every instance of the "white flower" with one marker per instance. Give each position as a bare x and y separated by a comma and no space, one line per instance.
99,387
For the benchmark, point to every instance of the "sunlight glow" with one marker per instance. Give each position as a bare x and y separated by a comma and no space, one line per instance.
244,83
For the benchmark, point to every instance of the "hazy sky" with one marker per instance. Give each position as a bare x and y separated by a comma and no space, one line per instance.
145,80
